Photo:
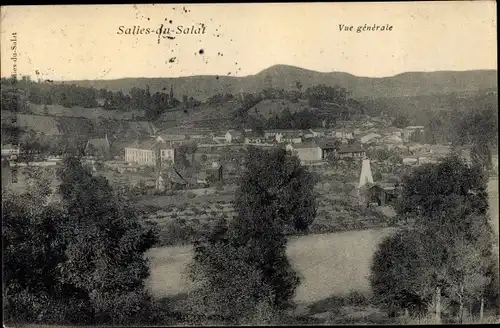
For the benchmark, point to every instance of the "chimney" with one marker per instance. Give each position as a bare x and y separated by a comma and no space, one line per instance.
366,173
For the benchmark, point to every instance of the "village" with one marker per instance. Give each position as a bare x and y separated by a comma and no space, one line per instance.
176,173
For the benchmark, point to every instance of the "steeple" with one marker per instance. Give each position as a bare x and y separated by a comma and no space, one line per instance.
172,92
366,173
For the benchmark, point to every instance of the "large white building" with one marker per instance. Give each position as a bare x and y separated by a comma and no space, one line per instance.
147,153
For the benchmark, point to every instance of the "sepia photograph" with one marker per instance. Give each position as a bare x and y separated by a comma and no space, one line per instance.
271,164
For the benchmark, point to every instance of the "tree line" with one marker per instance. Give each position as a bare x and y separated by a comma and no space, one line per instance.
72,95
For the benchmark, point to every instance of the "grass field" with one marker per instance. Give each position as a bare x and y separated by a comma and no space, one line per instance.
329,264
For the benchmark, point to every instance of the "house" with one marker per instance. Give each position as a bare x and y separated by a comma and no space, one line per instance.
205,156
10,151
16,176
289,136
328,146
321,132
308,134
284,135
369,138
201,178
306,152
170,179
410,161
411,133
233,136
167,154
172,139
218,139
253,138
141,153
215,173
350,151
97,147
394,131
343,134
382,194
148,152
391,139
101,102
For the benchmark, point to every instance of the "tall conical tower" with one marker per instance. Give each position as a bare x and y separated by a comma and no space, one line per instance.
366,173
365,178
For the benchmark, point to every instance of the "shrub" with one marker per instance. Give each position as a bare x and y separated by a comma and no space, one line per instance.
357,298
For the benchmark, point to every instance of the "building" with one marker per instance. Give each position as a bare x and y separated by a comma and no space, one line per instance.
170,179
321,132
233,136
215,173
413,133
97,147
219,139
16,176
172,139
10,151
370,138
284,135
343,134
382,195
328,147
253,138
394,131
148,152
306,152
308,134
350,151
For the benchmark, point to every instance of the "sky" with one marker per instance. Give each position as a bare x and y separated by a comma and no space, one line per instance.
75,42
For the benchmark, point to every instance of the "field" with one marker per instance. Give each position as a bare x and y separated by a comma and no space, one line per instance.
330,264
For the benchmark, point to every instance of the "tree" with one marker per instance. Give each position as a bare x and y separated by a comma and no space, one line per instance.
449,252
244,264
401,121
33,147
411,266
33,248
377,176
80,261
450,186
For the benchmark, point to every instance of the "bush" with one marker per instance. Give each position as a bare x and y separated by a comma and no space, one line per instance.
358,299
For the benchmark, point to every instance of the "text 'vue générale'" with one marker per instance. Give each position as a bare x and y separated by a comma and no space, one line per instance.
365,28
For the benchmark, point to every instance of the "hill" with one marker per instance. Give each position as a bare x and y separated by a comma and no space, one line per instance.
284,76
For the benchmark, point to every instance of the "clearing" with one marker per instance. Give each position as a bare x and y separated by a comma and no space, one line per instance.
329,264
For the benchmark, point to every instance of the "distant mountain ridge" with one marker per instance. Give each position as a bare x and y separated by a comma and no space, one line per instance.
285,76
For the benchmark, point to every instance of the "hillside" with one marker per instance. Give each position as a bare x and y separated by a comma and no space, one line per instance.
283,76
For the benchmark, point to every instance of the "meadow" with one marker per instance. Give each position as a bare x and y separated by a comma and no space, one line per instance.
329,264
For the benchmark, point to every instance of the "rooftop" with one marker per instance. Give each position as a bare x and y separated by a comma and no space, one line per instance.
356,148
98,143
304,145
